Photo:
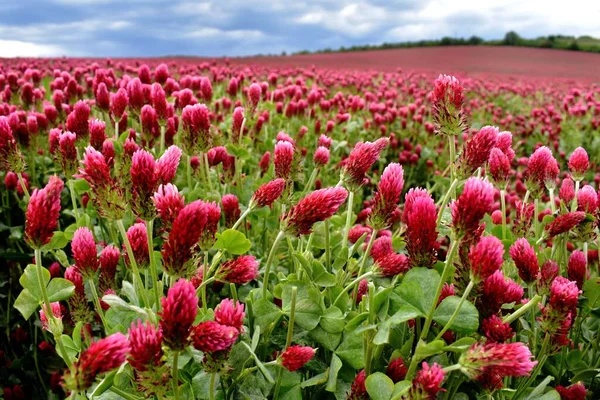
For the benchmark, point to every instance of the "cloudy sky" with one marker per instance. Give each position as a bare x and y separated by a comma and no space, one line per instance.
136,28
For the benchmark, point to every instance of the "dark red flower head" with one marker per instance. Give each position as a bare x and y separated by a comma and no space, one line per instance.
476,200
294,357
362,157
145,346
268,193
41,218
316,206
210,337
179,310
525,258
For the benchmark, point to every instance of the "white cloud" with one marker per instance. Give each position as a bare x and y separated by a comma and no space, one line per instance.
216,33
66,32
17,48
354,19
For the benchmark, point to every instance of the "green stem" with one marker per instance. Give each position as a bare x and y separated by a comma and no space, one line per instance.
265,288
74,201
413,363
369,336
288,339
211,390
133,264
521,311
542,357
23,186
457,310
452,368
445,201
98,305
327,247
311,181
241,218
188,172
574,202
348,216
363,262
552,203
176,375
48,312
153,270
536,222
351,285
207,171
116,129
162,137
503,202
452,148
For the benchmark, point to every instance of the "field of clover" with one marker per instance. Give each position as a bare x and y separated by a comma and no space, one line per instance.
183,229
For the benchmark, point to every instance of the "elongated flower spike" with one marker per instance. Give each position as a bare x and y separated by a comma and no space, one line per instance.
387,197
85,252
578,163
268,193
448,98
523,254
284,156
316,206
41,218
196,136
542,171
471,206
179,310
420,217
11,158
231,209
486,258
239,271
168,202
476,151
294,357
360,160
102,356
510,359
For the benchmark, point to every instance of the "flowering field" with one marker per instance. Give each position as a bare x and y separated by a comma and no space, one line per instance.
209,230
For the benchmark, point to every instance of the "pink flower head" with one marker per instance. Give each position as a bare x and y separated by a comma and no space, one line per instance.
396,370
167,164
109,260
567,191
577,268
564,294
143,180
564,223
68,153
102,356
357,231
499,167
168,202
231,209
138,239
145,346
542,170
284,155
321,156
523,254
477,150
268,193
95,169
254,92
388,195
316,206
11,158
102,97
210,337
213,215
362,157
294,357
239,271
236,124
587,200
179,310
184,236
135,94
161,73
325,141
196,129
495,330
392,264
118,103
503,359
97,133
206,89
56,312
77,121
504,143
73,275
548,272
476,200
428,382
84,251
230,313
448,98
41,218
420,217
358,390
159,102
486,257
264,163
382,247
576,391
496,291
579,163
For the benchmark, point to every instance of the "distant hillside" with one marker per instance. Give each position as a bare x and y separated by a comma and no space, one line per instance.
562,42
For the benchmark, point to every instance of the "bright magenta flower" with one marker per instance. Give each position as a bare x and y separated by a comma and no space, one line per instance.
321,156
486,257
294,357
179,310
420,217
84,251
231,209
428,382
579,163
476,200
268,193
230,313
210,337
239,271
102,356
168,202
145,342
41,219
477,150
316,206
284,155
503,359
138,239
523,254
388,195
360,160
564,223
